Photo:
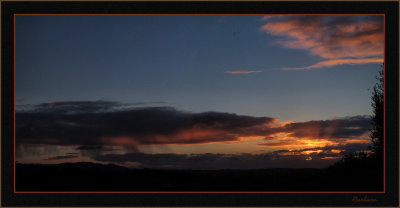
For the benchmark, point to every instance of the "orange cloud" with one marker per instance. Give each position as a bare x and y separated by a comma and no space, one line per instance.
289,134
330,158
335,62
342,39
243,72
187,136
307,152
91,129
283,143
297,143
319,134
335,151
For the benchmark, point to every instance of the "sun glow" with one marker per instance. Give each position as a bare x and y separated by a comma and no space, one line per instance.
308,152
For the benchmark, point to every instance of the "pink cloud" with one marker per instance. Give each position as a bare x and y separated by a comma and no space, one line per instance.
335,62
341,39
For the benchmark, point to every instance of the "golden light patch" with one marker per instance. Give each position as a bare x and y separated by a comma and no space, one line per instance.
365,141
330,158
336,151
311,143
307,152
247,138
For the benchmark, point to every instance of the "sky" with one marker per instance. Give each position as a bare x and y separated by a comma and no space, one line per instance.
195,91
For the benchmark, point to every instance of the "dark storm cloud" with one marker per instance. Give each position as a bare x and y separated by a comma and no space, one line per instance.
93,124
96,123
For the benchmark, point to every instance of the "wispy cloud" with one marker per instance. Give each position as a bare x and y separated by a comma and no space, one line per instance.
76,107
243,72
335,62
340,39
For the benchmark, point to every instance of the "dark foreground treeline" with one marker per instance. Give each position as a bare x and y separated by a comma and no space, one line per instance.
360,176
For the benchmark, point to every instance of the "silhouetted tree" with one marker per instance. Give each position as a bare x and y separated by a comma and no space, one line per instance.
377,118
375,157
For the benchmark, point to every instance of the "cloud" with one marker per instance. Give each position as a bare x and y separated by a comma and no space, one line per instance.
98,123
28,150
73,107
91,129
322,153
151,103
302,158
351,148
340,128
62,157
307,157
96,133
345,148
243,72
283,143
341,39
335,62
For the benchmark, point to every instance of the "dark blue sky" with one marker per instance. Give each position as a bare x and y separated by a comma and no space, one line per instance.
186,61
312,72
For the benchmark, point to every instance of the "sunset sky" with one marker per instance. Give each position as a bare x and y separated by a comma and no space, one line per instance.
195,91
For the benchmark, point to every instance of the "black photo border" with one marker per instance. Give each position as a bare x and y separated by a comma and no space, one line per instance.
387,198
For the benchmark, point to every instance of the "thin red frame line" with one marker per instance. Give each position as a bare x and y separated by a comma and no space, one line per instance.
384,103
189,192
14,105
180,14
384,111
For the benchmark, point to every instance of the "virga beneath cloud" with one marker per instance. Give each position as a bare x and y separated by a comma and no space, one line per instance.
99,129
81,123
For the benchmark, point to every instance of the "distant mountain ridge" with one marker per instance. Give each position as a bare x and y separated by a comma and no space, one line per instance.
77,165
114,167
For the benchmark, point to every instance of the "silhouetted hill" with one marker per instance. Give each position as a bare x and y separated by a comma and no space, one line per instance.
83,166
86,176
